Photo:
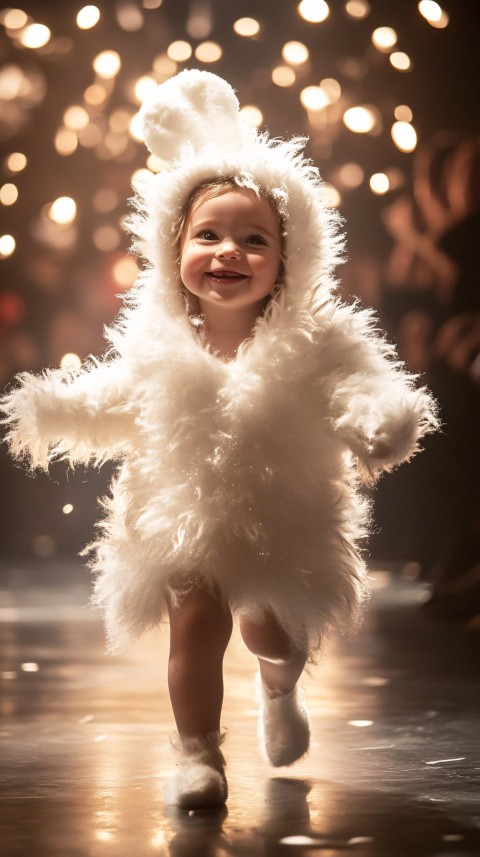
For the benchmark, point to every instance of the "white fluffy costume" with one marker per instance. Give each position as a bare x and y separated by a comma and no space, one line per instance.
244,473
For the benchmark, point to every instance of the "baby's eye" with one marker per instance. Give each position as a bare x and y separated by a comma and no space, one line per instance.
255,240
207,235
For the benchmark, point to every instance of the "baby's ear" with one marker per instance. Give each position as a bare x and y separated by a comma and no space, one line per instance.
189,112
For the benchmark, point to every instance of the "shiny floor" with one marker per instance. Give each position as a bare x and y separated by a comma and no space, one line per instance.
394,768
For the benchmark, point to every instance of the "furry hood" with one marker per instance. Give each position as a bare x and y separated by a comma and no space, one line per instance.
193,125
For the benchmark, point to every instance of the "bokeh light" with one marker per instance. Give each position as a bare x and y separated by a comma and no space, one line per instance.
35,36
314,10
358,8
88,17
400,60
7,246
8,194
107,64
180,51
63,210
13,19
384,38
283,75
434,14
247,27
404,136
379,183
252,115
70,361
295,53
361,119
314,98
208,52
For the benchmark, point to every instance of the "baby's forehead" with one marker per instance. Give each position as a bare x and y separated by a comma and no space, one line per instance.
239,203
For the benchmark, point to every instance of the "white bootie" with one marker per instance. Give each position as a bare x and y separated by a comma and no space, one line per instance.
200,781
284,727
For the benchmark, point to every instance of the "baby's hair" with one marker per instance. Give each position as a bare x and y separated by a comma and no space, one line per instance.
209,189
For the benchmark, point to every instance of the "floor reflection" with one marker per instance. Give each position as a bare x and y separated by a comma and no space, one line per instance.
393,770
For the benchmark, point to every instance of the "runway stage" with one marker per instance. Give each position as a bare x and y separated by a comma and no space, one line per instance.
394,768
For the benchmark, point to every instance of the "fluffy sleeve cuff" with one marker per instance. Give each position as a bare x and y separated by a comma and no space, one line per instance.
80,417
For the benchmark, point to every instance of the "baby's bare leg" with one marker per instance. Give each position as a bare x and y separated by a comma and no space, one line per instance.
281,662
200,628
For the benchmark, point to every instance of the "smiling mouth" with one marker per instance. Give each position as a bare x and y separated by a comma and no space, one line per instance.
226,276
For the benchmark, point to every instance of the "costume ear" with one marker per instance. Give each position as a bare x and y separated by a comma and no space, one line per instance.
192,110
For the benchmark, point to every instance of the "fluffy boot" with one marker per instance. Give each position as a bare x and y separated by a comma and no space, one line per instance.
200,781
284,727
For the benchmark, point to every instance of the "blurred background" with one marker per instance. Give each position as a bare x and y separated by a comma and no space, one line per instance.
387,92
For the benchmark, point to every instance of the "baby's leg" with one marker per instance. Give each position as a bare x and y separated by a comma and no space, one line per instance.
284,723
281,662
200,629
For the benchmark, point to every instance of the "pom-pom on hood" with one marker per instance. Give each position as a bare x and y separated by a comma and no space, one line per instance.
192,123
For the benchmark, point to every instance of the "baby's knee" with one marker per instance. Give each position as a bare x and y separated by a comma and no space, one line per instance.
267,640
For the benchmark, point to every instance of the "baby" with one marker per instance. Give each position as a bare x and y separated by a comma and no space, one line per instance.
245,405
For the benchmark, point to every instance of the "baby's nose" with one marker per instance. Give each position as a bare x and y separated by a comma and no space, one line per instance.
228,249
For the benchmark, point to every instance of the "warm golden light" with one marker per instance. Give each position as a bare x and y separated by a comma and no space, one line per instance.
295,53
63,210
164,65
252,115
125,272
331,196
29,667
403,113
379,183
8,194
360,119
179,51
404,136
70,361
384,38
95,95
314,11
107,64
431,11
331,87
246,27
401,61
144,86
13,19
7,246
106,238
76,118
88,17
135,129
350,175
283,75
314,98
208,52
67,509
35,36
129,17
16,162
357,8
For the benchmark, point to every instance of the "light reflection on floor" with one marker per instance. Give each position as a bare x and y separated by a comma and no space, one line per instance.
394,767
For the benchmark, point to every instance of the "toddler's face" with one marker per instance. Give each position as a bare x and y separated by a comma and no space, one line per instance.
231,251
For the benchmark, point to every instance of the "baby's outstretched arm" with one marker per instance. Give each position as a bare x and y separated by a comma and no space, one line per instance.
79,416
376,406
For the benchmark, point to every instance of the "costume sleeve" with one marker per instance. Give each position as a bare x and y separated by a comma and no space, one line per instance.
79,416
376,406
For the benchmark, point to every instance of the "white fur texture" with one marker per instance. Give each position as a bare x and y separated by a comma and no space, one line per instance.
245,474
200,781
284,725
